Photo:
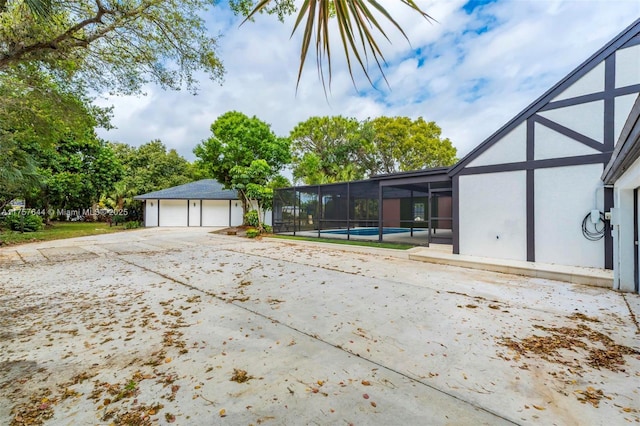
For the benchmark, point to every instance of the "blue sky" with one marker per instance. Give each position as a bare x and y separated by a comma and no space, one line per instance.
479,65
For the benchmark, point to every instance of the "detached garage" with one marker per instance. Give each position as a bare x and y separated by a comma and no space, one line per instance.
201,203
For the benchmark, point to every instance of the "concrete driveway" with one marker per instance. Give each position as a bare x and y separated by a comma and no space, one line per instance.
161,326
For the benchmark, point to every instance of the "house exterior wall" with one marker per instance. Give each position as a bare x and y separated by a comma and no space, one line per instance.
492,221
628,66
512,148
196,213
173,213
545,167
563,197
151,213
623,229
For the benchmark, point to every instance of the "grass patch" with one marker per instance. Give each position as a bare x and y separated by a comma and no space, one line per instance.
394,246
58,231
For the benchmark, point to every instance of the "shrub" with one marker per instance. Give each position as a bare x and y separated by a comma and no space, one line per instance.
252,218
132,224
252,232
268,229
118,219
24,223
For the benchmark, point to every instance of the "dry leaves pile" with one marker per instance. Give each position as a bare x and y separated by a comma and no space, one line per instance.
602,351
240,376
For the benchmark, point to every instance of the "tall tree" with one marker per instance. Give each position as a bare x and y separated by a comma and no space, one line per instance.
147,168
151,167
329,149
402,144
18,171
123,44
112,44
242,150
35,112
75,173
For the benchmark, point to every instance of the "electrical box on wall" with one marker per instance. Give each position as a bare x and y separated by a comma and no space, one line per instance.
595,216
615,216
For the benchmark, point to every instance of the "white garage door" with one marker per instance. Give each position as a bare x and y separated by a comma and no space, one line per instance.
215,213
173,213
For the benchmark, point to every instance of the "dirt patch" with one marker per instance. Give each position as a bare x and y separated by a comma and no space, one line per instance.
240,231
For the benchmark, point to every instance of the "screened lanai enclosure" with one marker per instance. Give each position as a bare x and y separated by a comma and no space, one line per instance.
410,207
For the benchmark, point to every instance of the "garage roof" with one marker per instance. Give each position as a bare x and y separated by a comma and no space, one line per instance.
205,189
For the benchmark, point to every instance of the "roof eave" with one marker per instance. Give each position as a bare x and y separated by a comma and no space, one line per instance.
627,149
629,33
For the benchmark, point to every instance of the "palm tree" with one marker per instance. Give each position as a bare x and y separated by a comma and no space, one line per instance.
40,8
356,25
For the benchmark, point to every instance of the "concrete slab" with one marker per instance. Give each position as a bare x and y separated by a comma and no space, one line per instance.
572,274
30,254
57,254
324,336
10,257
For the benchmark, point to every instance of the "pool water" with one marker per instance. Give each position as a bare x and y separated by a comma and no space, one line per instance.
370,231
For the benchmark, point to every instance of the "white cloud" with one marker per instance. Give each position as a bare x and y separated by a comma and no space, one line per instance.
478,71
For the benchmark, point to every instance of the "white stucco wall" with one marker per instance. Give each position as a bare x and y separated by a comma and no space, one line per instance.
591,82
173,212
628,66
623,105
551,144
563,197
194,212
236,213
511,148
151,213
623,236
493,216
587,118
215,213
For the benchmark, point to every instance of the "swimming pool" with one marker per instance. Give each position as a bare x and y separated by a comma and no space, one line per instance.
370,231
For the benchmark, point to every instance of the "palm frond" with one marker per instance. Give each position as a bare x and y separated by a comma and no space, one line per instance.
358,30
40,8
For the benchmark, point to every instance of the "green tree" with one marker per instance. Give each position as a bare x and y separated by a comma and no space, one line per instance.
111,44
251,183
402,144
75,173
242,150
35,112
147,168
123,44
329,149
39,8
18,171
151,167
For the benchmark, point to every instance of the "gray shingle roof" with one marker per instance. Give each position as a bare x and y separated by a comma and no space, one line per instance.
205,189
